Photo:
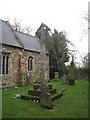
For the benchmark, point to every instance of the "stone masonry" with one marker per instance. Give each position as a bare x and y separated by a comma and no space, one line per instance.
12,78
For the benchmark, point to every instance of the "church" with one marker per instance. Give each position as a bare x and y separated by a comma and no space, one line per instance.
19,57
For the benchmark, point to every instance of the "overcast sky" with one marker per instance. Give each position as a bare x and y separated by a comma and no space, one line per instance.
60,14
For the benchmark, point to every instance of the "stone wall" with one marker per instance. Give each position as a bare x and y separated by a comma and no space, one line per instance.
12,78
35,73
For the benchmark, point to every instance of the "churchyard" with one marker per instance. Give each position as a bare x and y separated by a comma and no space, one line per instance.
62,97
45,75
73,103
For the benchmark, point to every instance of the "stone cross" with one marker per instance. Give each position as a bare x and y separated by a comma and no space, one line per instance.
42,57
45,97
42,34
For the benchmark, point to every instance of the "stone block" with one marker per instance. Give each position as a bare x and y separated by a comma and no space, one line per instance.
38,92
45,100
28,97
34,92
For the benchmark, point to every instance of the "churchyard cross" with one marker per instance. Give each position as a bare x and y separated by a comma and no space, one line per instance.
43,77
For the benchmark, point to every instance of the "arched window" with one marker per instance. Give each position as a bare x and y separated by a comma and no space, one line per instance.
7,65
30,63
3,65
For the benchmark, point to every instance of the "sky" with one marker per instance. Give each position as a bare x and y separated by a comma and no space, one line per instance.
63,15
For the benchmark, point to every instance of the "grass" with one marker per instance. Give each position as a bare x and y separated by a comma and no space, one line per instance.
73,104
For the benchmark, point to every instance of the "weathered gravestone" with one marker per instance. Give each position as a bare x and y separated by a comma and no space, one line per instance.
64,79
56,76
71,79
45,96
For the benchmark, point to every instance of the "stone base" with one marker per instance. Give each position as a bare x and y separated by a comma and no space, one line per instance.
37,86
44,94
31,97
38,92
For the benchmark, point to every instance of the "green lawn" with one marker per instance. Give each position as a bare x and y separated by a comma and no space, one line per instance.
73,104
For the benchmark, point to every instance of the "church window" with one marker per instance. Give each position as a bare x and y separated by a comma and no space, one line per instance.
30,63
3,65
7,65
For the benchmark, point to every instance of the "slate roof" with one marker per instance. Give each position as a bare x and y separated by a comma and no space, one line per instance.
7,36
29,42
13,38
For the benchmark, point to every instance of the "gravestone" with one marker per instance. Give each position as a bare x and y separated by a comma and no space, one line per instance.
56,76
45,96
64,79
71,79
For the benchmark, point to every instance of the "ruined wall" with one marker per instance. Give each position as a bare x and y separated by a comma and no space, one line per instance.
11,79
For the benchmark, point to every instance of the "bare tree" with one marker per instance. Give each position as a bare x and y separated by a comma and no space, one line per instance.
16,25
28,30
85,26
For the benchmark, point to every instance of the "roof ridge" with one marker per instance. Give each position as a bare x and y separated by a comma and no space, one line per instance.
16,36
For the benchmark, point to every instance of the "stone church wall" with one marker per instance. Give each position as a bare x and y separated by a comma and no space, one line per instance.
35,73
11,79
